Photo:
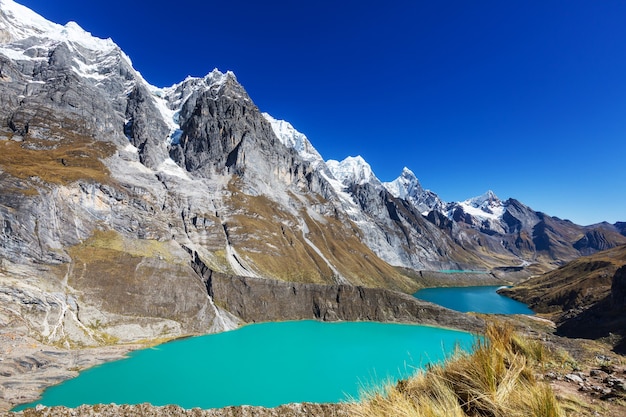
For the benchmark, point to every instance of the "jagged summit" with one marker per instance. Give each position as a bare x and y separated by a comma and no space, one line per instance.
486,205
405,185
19,23
488,199
352,170
408,187
170,100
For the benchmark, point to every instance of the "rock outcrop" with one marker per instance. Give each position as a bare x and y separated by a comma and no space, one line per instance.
618,290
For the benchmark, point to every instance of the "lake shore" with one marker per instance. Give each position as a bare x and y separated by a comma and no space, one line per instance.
432,279
28,366
114,410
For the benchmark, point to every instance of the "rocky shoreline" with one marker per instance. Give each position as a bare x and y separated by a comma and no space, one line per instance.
27,367
148,410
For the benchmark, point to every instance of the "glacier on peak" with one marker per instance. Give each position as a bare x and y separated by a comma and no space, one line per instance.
218,77
485,206
28,37
408,187
486,201
20,22
181,90
352,170
292,138
405,185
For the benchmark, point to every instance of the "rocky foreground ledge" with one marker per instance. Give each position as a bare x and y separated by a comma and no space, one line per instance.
147,410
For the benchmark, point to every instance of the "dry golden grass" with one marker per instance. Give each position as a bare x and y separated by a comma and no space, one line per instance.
258,230
579,283
271,239
497,380
104,241
340,244
64,155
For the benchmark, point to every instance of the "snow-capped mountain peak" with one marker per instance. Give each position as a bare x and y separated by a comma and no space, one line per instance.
18,22
488,199
405,185
169,100
408,187
487,205
291,138
217,77
26,36
352,170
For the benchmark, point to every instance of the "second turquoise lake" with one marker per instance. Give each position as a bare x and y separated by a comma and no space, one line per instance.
482,299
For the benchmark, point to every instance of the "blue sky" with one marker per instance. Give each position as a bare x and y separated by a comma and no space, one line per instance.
526,98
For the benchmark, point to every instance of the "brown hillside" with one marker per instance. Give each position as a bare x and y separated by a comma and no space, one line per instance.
577,285
586,297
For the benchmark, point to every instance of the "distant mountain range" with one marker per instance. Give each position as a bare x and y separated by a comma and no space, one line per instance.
484,231
120,198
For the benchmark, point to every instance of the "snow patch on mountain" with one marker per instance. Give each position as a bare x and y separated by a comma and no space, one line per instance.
92,57
169,114
345,198
171,168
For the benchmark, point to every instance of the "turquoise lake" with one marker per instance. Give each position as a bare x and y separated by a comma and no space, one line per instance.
265,364
483,299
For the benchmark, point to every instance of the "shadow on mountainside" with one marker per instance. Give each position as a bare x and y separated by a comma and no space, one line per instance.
606,319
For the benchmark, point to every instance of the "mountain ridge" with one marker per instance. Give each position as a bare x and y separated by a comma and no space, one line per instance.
169,130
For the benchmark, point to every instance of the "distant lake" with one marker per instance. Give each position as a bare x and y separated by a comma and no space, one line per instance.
483,299
264,364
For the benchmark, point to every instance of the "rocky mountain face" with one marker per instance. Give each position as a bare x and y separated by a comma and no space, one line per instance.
114,191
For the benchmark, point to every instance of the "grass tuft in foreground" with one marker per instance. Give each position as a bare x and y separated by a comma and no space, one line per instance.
497,379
